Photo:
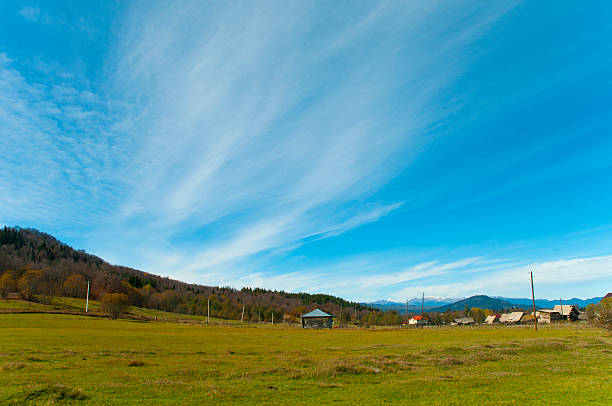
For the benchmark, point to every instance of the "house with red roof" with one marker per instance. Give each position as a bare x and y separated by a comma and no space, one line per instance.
418,321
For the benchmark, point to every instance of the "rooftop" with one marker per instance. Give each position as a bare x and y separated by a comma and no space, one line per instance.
316,313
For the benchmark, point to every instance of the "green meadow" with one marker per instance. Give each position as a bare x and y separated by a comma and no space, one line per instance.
72,359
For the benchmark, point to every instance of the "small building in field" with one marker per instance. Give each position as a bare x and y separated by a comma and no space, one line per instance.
418,321
568,312
316,319
511,318
547,316
492,319
463,321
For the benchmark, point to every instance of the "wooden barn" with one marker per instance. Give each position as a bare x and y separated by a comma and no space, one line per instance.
568,312
512,318
316,319
491,319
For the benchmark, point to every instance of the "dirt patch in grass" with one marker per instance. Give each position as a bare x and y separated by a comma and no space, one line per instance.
136,363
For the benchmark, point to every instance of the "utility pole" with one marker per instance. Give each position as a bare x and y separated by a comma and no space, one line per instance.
535,319
87,300
272,317
341,315
423,304
406,309
355,314
258,314
208,312
242,316
561,303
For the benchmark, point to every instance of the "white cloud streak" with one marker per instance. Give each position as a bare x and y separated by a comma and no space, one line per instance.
230,134
360,278
275,130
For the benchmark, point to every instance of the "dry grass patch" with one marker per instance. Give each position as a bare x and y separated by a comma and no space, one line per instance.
353,369
11,366
448,361
55,392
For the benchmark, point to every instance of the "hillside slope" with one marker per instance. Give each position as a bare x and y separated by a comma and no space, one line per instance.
51,263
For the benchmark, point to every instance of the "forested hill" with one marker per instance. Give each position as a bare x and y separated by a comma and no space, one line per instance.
58,269
480,301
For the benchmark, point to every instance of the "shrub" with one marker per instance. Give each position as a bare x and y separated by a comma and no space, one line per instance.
75,286
601,313
114,304
29,283
7,285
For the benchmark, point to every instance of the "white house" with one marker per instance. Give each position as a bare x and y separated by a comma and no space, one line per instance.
418,321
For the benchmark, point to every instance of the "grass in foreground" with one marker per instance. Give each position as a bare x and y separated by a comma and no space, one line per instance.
83,360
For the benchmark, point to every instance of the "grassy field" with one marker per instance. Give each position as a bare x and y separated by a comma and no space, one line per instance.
71,305
49,358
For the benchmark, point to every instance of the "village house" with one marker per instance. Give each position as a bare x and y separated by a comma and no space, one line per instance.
418,321
491,319
548,315
527,318
568,312
463,321
512,318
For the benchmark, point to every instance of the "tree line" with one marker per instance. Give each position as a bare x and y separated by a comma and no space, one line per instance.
36,265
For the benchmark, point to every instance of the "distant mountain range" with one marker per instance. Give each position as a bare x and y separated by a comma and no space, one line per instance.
482,301
414,305
545,303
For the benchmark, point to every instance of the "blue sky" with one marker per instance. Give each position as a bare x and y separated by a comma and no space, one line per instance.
372,150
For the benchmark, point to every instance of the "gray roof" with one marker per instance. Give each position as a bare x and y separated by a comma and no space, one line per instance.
513,317
316,313
464,320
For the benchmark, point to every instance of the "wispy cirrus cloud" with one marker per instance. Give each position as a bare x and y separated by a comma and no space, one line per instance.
232,141
56,152
276,131
219,138
569,277
360,278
